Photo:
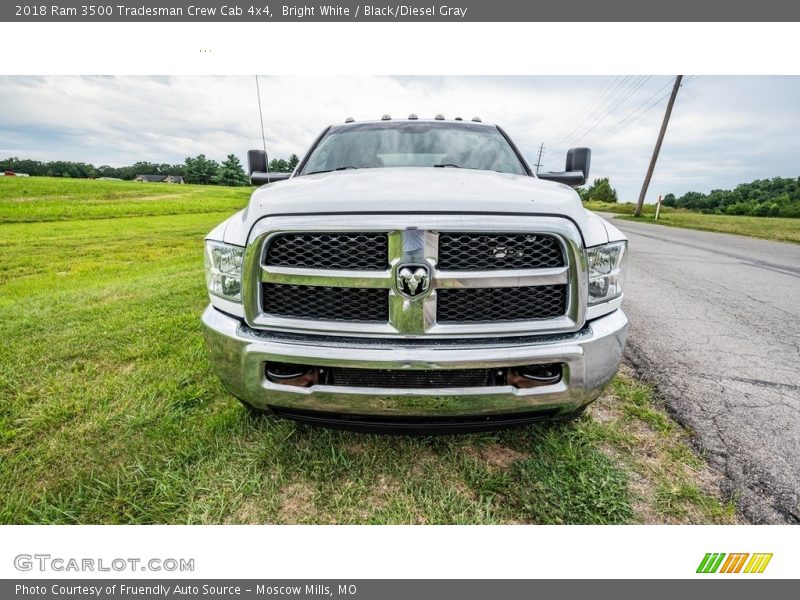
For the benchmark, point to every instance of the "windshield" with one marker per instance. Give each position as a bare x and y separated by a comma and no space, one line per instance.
408,144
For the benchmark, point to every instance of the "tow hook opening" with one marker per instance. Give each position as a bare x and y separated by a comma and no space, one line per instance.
291,374
529,376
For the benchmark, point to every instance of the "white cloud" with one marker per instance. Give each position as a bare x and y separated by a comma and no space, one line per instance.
724,130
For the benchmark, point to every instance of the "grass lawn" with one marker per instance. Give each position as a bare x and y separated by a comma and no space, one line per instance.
109,412
768,228
23,200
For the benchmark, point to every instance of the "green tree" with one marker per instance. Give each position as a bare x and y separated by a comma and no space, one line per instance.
757,198
740,208
601,191
195,170
231,172
760,210
201,169
279,165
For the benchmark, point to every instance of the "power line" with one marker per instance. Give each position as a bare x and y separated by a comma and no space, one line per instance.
601,89
599,96
626,95
621,92
642,113
590,105
619,95
591,110
636,113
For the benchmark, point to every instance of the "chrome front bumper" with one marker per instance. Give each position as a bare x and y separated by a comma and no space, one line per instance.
590,358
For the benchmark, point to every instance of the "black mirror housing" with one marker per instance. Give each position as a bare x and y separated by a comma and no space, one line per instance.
256,161
576,170
579,159
259,171
262,177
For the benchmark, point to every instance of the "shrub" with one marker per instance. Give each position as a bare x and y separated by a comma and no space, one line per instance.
600,191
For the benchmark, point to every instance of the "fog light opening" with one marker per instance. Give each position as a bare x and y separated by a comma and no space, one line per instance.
291,374
528,376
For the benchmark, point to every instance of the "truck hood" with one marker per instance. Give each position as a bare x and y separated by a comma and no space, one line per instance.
412,190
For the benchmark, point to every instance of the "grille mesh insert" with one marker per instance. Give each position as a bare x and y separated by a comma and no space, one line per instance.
409,379
489,251
491,305
325,303
362,251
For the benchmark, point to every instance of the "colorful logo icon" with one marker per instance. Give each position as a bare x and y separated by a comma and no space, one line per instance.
719,562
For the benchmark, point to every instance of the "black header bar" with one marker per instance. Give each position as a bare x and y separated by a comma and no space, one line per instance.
200,11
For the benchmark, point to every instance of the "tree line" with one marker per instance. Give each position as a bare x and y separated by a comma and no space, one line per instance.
198,169
776,197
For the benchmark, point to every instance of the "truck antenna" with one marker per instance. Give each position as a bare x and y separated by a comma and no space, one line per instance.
261,117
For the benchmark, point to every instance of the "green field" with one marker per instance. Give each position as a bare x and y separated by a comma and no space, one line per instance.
23,200
109,411
768,228
624,208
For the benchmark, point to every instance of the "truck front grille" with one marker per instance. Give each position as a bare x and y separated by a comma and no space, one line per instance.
411,275
492,305
326,303
488,251
378,378
364,251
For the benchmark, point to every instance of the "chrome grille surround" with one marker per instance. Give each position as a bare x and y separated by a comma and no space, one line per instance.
413,238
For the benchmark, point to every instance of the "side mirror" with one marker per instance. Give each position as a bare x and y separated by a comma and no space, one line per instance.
259,172
576,171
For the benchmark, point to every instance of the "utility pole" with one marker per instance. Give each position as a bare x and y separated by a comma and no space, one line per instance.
657,149
539,160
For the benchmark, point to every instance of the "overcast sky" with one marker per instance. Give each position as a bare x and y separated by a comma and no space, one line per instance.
724,130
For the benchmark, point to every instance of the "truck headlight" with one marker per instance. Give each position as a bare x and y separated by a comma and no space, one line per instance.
606,267
224,270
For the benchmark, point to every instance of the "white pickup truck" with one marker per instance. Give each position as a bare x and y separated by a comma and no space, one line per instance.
416,275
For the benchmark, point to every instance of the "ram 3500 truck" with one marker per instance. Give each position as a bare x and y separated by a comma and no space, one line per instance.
414,275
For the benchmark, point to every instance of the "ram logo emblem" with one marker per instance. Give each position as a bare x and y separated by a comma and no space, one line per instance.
413,281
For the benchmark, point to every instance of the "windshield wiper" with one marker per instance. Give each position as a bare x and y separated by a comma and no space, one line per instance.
448,165
331,170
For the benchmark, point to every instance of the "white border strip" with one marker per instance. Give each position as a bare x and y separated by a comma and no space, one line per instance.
398,48
639,551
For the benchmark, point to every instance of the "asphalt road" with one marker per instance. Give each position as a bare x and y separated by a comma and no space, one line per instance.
715,324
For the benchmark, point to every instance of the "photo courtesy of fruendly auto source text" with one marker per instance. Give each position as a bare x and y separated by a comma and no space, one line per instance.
480,300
